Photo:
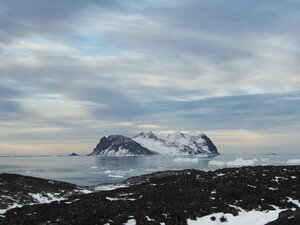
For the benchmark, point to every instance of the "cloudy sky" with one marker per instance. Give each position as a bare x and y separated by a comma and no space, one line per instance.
72,71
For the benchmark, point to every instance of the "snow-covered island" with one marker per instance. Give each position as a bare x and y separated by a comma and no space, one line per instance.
147,143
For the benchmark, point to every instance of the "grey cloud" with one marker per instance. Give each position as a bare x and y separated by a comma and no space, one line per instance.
44,18
10,107
132,59
10,110
268,111
7,92
111,103
202,28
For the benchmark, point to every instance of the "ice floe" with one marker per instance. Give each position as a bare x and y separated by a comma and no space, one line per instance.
236,162
186,160
115,176
293,161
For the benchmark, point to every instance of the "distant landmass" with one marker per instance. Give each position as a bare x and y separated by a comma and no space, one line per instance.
147,143
118,145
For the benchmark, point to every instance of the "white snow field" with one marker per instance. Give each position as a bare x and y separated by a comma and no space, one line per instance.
244,218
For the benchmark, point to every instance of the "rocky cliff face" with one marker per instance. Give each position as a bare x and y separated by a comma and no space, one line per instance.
118,145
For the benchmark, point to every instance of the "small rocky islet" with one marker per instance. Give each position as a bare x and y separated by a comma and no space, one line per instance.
167,197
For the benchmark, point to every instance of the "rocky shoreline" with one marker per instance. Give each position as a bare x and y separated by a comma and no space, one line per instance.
168,197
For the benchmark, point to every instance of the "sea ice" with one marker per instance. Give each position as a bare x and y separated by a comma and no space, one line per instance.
185,160
293,161
236,162
115,176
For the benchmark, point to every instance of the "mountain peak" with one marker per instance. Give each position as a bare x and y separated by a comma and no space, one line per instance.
196,134
192,143
175,135
119,145
147,134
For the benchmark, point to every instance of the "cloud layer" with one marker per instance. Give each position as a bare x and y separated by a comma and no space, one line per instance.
72,71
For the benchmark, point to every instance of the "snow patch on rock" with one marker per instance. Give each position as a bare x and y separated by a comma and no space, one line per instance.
244,217
46,198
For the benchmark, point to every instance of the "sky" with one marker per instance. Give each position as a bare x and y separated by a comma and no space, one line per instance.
73,71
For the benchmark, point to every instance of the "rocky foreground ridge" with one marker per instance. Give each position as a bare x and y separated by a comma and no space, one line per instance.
147,143
169,197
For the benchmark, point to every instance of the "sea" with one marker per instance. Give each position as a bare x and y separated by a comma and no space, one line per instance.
93,170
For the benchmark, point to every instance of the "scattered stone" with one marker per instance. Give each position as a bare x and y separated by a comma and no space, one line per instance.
21,190
172,197
223,219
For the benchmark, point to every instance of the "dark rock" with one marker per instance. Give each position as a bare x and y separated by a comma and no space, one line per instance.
73,154
210,145
223,219
115,145
289,217
21,190
172,197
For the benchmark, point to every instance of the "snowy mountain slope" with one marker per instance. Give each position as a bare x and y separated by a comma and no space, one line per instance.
178,143
147,143
151,141
118,145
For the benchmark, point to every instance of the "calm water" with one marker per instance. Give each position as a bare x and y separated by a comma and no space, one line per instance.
90,170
